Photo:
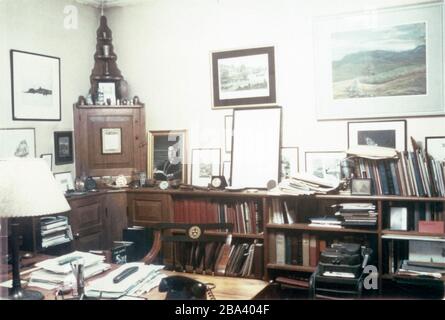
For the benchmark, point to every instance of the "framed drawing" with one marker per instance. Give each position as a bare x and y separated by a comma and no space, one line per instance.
226,171
63,147
106,93
361,187
324,164
289,162
18,143
167,155
243,77
111,139
205,164
48,157
35,86
228,129
435,147
256,147
389,134
383,63
65,181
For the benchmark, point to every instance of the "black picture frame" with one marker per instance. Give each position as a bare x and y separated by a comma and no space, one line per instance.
63,147
24,102
238,97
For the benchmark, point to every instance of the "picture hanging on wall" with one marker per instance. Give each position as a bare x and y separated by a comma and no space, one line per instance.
243,77
63,147
380,63
17,142
35,86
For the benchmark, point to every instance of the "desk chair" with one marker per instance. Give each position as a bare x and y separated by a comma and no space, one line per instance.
190,234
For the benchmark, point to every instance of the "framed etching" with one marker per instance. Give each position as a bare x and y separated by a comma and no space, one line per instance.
243,77
35,86
435,147
388,134
324,164
18,143
111,140
289,162
382,63
205,164
63,147
65,181
167,155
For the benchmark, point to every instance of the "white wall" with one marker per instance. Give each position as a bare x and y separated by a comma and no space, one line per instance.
38,26
163,48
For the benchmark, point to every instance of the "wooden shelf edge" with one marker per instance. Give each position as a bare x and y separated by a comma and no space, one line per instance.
305,226
289,267
412,233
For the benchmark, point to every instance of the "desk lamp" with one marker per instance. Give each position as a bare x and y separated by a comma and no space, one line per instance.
27,189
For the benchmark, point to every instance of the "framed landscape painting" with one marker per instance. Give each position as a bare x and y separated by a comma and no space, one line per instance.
35,86
384,63
243,77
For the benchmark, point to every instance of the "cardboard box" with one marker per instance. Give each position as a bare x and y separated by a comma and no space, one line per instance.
432,226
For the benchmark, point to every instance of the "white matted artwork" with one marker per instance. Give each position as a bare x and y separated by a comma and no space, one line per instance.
111,140
435,147
205,164
380,63
388,134
106,90
226,171
324,164
65,181
289,162
228,130
256,147
19,143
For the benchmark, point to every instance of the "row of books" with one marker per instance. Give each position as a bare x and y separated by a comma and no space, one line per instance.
281,213
240,259
245,215
55,230
407,217
414,173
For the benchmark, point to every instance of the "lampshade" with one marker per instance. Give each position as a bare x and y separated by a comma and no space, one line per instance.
28,188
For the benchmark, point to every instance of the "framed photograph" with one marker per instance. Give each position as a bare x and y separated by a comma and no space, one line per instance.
111,140
399,218
243,77
226,171
65,181
48,157
167,155
205,164
106,93
389,134
256,147
63,147
361,187
380,63
228,129
324,164
289,162
18,143
35,86
435,147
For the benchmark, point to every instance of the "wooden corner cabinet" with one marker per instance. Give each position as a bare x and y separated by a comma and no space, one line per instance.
110,140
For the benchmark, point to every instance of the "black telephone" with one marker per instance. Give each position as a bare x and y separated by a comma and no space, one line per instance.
183,288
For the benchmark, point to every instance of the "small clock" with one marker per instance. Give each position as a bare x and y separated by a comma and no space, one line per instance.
90,184
218,182
163,185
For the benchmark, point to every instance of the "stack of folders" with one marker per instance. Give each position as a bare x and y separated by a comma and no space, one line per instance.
131,279
55,231
421,269
57,272
326,222
357,214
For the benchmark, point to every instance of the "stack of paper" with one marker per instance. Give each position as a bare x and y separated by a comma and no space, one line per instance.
57,272
305,184
107,287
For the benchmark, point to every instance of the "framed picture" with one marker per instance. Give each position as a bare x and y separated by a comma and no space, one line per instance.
18,143
167,155
243,77
389,134
65,181
226,171
35,86
228,129
289,162
63,147
361,187
48,157
106,93
380,63
205,164
256,147
324,164
435,147
111,140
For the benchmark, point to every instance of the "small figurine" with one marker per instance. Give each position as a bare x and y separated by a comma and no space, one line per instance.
136,100
81,101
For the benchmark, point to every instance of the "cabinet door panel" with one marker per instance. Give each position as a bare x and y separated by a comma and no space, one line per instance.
89,242
146,209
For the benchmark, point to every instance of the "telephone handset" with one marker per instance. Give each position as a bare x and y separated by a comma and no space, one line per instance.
183,288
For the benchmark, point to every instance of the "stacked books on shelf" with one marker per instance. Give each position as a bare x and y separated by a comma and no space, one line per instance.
245,215
356,214
421,269
412,173
55,231
326,222
57,273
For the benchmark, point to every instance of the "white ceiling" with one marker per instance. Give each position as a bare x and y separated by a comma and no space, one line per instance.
110,3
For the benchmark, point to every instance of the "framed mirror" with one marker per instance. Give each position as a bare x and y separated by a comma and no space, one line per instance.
255,147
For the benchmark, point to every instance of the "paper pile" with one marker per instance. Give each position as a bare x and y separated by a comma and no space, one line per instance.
304,184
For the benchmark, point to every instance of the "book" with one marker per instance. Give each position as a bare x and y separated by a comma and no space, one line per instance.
306,249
